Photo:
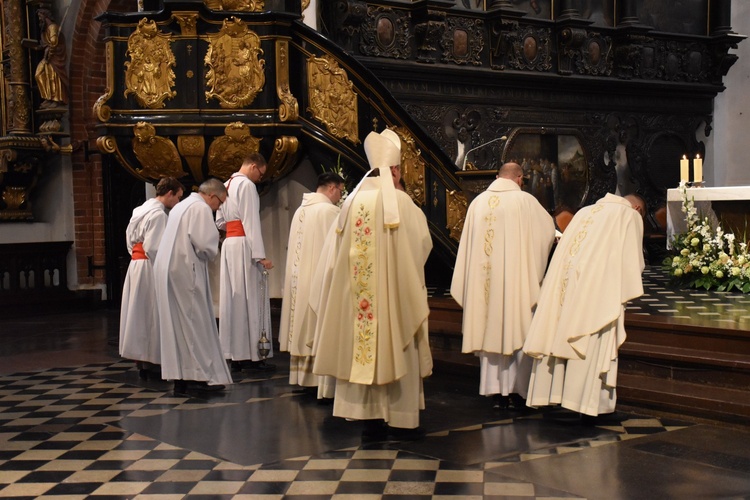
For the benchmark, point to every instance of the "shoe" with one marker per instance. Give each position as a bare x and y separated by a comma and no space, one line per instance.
143,374
500,402
516,403
374,431
203,386
235,366
180,388
258,366
400,434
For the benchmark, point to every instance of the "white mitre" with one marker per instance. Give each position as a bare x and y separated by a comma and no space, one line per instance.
383,151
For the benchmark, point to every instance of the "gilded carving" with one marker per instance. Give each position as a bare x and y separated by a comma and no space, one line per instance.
412,167
158,156
14,197
225,154
106,144
463,40
305,5
283,157
235,72
188,22
236,5
455,206
17,81
192,147
148,73
289,108
385,33
332,98
101,110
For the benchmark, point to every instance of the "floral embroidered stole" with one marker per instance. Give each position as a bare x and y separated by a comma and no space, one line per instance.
362,260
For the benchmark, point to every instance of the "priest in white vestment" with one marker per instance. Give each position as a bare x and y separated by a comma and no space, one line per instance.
370,300
139,319
502,255
579,323
244,310
190,350
308,231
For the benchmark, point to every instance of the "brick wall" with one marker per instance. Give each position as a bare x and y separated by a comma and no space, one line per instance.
87,80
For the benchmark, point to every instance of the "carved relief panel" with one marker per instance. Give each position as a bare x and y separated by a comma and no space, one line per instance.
412,167
385,33
332,99
528,48
235,73
226,153
148,73
158,156
463,40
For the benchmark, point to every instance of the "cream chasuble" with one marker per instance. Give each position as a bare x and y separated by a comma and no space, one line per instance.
370,301
500,264
578,325
307,234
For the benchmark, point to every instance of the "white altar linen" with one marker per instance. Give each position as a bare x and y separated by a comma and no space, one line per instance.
703,198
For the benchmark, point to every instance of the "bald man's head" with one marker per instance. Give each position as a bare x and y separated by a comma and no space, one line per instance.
511,171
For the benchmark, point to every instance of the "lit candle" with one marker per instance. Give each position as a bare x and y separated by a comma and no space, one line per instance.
684,169
698,169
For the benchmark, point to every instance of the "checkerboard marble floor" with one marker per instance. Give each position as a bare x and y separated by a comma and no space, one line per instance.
77,422
69,433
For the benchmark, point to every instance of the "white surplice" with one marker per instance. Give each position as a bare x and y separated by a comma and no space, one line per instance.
244,308
310,225
190,348
370,301
502,255
139,319
579,322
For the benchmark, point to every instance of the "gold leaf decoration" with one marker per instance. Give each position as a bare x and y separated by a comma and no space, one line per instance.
226,153
332,98
148,74
158,156
235,72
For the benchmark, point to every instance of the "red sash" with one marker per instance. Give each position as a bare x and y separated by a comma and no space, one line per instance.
234,228
138,252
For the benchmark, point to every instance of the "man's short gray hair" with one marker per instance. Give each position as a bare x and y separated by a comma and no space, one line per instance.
213,186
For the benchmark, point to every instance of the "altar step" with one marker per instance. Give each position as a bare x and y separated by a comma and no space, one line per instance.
689,369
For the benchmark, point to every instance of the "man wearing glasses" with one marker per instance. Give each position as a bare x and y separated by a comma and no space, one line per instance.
190,350
244,310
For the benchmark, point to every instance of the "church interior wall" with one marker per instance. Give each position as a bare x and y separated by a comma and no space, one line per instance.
727,145
71,196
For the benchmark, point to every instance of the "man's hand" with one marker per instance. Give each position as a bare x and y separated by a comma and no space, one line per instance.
266,263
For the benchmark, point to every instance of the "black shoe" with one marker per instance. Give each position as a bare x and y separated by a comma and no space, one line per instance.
143,374
235,366
500,402
203,386
516,403
258,366
400,434
374,431
180,388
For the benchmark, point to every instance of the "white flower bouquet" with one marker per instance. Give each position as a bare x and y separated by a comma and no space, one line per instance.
707,257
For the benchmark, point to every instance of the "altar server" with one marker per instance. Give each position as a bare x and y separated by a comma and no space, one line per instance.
139,320
190,350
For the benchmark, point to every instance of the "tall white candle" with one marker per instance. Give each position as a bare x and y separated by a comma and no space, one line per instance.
698,169
684,169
